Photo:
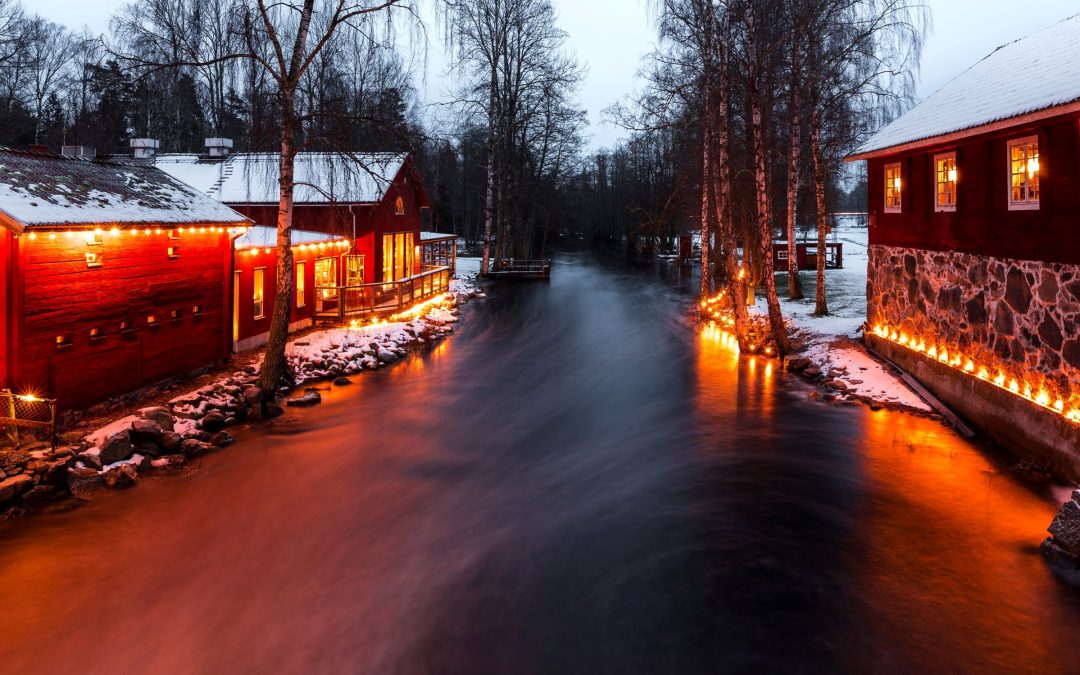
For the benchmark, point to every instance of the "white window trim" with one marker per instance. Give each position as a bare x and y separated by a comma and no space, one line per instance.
1024,205
781,255
898,167
301,266
262,314
950,208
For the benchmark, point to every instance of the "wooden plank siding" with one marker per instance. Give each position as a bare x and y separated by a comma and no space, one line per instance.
982,223
372,221
245,265
137,278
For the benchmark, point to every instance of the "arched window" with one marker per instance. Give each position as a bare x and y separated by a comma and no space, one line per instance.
399,206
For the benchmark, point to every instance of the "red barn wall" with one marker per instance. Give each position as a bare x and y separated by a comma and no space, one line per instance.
6,242
61,296
982,223
372,221
251,331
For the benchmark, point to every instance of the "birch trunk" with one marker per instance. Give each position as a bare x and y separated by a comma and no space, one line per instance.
720,117
489,196
706,175
765,246
795,136
821,308
274,366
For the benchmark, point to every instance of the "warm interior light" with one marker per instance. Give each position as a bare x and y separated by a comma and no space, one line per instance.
1033,166
952,175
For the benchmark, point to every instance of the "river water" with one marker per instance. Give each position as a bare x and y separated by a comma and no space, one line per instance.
575,483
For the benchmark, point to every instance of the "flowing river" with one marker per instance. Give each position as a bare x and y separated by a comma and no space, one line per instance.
575,483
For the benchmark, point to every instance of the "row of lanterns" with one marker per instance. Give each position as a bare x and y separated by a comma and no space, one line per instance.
942,355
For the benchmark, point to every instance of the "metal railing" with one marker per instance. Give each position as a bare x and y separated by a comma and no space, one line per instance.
26,412
511,267
342,302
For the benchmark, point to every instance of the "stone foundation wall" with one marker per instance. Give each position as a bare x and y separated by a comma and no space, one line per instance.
1017,317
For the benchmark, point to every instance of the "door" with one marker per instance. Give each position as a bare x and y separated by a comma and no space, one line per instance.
354,283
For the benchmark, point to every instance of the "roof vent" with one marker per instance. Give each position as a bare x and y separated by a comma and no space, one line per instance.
80,151
218,147
145,148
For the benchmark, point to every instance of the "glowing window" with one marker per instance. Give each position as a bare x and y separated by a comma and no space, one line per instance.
301,283
399,206
259,294
892,188
1024,173
946,175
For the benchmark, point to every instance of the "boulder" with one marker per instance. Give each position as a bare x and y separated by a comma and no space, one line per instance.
80,484
222,439
159,415
309,399
1066,527
147,431
170,440
386,356
342,382
169,462
40,494
147,449
12,460
213,422
812,371
274,410
10,488
91,459
116,447
253,396
836,385
192,448
121,477
799,364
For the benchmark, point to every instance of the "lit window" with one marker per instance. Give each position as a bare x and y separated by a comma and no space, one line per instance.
259,295
326,278
301,283
93,260
152,320
176,314
174,252
399,206
64,341
125,327
945,182
892,188
1024,173
196,310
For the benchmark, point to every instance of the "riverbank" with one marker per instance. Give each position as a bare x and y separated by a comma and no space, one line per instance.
164,430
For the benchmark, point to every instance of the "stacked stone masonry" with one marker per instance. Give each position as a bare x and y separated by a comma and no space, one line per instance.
1019,317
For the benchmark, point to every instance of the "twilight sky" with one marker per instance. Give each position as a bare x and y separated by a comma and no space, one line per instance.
610,36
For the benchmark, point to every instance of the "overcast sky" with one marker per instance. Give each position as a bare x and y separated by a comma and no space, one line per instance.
611,36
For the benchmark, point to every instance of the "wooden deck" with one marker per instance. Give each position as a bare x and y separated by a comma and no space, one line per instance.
520,269
338,303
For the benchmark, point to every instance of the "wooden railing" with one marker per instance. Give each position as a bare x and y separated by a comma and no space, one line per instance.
511,268
344,302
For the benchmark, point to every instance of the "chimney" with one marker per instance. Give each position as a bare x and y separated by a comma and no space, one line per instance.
38,148
218,147
144,148
80,151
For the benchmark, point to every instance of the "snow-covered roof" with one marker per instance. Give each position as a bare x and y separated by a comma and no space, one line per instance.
432,236
261,236
320,177
1029,75
39,189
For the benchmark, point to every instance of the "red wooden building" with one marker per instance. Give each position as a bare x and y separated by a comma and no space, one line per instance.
974,233
374,200
316,256
111,277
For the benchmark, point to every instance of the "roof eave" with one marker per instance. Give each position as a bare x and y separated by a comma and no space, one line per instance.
953,136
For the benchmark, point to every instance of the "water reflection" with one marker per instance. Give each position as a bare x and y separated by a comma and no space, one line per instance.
576,483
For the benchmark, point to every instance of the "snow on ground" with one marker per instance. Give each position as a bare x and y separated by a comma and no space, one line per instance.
830,341
468,267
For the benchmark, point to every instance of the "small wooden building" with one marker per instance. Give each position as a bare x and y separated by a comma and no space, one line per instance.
438,250
316,258
374,200
974,271
112,277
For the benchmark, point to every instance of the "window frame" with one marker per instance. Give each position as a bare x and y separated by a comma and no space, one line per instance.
899,208
301,284
258,295
946,208
1027,204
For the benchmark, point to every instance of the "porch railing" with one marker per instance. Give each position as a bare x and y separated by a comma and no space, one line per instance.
345,302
